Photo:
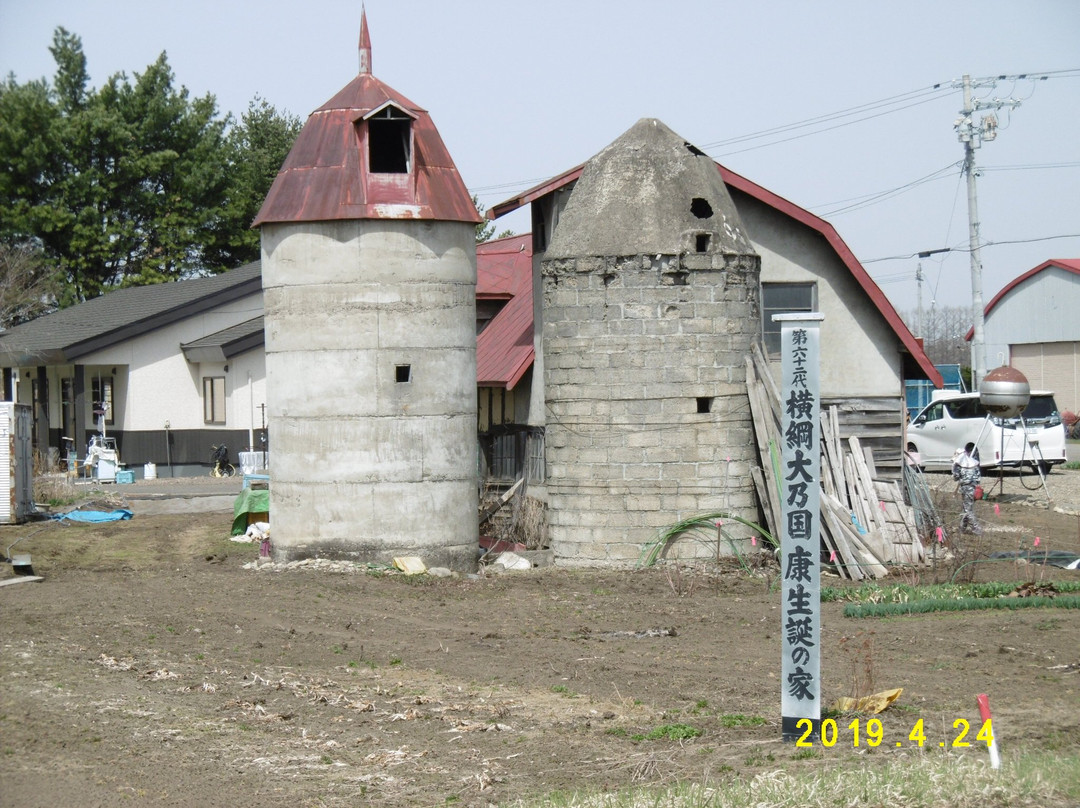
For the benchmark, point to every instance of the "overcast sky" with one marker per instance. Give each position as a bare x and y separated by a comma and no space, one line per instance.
521,91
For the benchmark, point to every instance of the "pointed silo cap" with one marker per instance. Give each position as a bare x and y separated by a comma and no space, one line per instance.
649,192
368,153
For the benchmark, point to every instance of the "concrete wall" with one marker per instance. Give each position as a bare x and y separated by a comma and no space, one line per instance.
365,465
860,353
630,344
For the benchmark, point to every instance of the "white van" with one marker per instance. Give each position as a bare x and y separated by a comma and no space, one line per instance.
952,420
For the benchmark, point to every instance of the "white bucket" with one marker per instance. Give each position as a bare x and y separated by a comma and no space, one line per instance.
149,471
249,461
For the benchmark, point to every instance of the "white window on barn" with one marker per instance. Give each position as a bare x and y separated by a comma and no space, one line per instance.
213,399
783,298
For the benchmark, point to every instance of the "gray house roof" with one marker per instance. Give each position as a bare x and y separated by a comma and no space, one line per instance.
68,334
227,343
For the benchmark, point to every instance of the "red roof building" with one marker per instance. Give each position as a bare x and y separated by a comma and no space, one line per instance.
504,346
911,345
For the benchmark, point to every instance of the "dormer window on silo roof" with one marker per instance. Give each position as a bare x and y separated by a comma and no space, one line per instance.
389,139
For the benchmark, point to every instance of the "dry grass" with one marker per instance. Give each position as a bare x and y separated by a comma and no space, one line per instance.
523,520
931,781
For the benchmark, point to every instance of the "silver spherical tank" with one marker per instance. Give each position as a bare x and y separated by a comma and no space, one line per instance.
1004,392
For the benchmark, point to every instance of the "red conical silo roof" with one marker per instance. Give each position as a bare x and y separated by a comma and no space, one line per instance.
328,176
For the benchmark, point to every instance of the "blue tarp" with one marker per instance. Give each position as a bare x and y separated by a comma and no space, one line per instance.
93,516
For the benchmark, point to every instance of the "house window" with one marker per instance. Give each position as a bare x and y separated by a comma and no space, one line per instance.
389,133
486,311
101,390
213,399
782,298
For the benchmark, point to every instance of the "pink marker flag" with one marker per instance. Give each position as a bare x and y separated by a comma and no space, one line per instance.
940,536
832,556
753,541
997,509
882,504
1036,541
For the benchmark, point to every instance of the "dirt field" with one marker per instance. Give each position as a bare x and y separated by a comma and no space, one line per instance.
151,668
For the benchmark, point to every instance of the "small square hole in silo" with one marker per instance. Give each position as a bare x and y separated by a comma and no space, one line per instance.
701,242
403,373
704,404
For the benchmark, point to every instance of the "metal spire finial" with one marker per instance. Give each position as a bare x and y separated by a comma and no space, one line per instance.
365,43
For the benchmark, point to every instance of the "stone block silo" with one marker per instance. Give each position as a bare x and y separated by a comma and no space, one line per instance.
649,309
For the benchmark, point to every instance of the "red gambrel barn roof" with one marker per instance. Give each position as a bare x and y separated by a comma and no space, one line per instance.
733,180
504,349
1068,264
326,177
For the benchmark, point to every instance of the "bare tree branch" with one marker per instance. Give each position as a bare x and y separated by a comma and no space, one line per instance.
27,288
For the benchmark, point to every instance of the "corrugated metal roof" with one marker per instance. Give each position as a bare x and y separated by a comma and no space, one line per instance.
504,349
68,334
326,177
903,333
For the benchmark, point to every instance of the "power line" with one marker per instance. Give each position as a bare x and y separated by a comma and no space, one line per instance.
848,117
866,200
1030,167
823,129
934,90
959,249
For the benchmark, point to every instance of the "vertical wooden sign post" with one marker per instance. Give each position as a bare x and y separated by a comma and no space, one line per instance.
800,538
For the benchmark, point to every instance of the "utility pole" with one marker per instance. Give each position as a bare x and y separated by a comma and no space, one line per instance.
972,135
920,333
918,289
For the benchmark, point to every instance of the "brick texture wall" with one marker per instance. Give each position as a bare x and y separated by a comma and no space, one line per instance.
634,349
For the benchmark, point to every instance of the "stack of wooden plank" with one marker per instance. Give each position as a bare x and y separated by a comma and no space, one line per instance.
865,524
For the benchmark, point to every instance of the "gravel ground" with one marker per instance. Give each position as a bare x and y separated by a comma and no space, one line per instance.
1061,492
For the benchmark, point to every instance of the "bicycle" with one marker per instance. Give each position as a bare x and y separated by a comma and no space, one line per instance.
219,462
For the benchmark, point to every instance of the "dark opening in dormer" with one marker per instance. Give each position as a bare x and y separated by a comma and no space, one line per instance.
701,242
389,141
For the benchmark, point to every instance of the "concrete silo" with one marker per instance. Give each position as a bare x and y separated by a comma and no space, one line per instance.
649,308
369,278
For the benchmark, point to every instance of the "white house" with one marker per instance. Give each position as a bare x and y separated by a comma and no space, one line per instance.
167,370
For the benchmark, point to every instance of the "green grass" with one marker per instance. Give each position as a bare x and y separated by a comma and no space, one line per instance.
905,593
960,605
673,732
740,720
700,528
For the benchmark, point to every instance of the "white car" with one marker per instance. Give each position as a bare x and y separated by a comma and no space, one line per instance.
1036,437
